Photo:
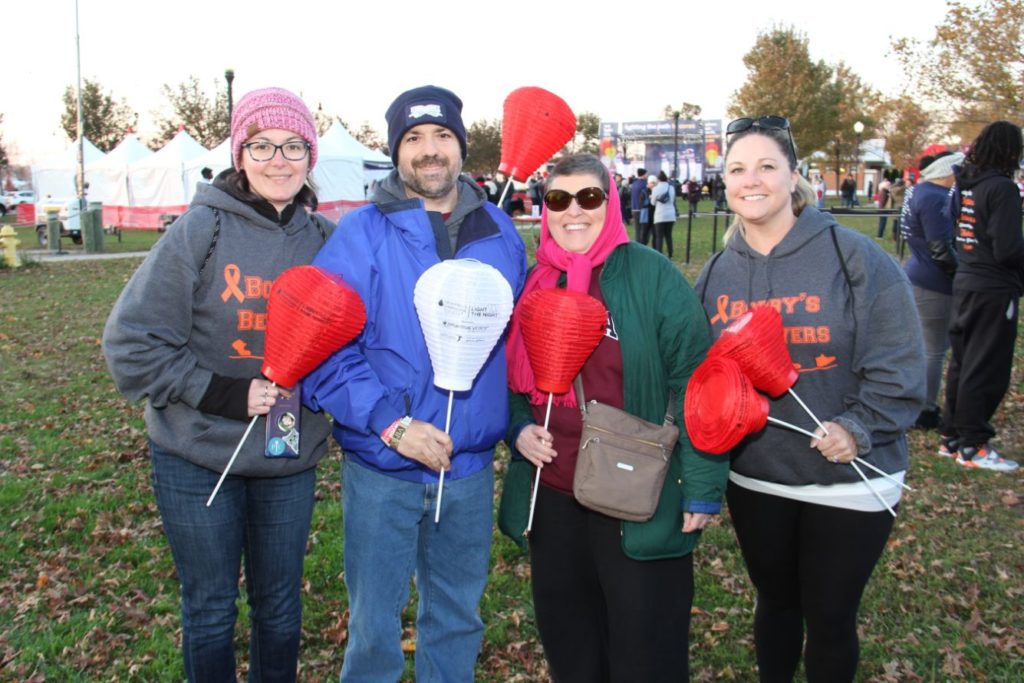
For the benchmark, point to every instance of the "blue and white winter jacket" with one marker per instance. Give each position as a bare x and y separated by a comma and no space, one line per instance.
381,250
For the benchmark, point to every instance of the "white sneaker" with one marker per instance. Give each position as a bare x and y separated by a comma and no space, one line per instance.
986,458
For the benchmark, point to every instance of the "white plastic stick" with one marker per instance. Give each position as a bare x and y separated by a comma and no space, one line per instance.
231,461
504,190
440,484
867,482
793,427
808,410
888,476
856,460
536,477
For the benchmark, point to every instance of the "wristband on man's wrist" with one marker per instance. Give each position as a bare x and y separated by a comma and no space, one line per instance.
395,431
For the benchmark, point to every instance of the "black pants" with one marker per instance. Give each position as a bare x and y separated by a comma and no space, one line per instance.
809,564
644,231
982,334
663,233
602,616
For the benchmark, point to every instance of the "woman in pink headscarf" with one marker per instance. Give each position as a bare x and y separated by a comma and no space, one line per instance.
612,598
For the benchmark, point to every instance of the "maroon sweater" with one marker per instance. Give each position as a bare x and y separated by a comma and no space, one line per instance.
602,381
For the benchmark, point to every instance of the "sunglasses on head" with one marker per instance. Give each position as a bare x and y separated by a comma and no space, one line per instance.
762,123
589,198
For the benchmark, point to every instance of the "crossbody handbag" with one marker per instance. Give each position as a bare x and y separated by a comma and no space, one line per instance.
623,460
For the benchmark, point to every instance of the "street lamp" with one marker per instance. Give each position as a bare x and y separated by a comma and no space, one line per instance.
858,128
675,146
229,76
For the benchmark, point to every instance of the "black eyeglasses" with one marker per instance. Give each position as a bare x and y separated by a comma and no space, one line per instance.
293,150
589,198
763,123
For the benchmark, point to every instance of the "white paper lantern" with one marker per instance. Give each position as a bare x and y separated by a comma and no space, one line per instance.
463,306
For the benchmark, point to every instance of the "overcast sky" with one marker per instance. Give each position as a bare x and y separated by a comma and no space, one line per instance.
623,60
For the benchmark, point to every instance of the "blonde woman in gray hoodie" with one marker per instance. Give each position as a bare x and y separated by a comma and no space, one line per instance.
810,529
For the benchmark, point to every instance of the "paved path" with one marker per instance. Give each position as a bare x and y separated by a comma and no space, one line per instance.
66,257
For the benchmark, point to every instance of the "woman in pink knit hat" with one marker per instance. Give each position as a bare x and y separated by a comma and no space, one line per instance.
187,334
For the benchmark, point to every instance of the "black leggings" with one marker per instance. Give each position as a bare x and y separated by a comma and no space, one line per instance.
809,564
663,233
601,615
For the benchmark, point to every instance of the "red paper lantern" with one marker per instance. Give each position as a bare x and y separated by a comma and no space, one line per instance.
757,342
561,329
310,314
536,124
722,406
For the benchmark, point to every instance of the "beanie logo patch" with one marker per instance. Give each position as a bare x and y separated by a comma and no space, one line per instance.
432,110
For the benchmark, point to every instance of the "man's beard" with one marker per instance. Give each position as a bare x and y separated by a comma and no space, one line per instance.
439,186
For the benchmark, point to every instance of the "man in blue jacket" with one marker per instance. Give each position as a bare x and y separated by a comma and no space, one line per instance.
389,416
640,202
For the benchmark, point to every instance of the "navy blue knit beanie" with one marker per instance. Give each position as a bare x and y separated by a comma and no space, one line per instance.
427,104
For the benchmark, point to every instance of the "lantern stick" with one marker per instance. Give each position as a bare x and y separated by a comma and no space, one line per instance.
888,476
877,495
807,410
787,425
504,190
862,461
440,484
234,455
536,477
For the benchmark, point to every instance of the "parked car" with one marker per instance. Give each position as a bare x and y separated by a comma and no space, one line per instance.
12,199
67,213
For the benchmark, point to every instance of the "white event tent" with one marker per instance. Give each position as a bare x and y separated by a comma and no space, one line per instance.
217,159
376,164
108,178
137,186
159,182
339,174
54,178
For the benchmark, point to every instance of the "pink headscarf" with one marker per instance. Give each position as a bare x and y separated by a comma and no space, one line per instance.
552,261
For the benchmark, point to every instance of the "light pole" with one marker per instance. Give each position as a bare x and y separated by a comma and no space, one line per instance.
80,182
703,150
675,146
858,128
229,76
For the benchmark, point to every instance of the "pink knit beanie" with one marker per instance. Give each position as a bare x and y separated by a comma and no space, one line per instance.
271,108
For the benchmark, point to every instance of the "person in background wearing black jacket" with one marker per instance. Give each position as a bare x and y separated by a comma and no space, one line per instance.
639,200
986,292
928,231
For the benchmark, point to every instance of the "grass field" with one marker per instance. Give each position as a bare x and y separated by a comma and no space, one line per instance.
88,590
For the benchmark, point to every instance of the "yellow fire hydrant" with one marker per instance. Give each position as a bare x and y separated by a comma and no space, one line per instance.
9,240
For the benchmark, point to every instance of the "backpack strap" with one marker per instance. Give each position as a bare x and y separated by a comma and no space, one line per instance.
846,275
707,279
213,241
216,234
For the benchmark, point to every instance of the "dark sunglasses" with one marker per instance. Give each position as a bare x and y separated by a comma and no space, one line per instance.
589,198
762,123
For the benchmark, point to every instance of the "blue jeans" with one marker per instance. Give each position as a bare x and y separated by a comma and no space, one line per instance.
267,521
389,534
934,309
